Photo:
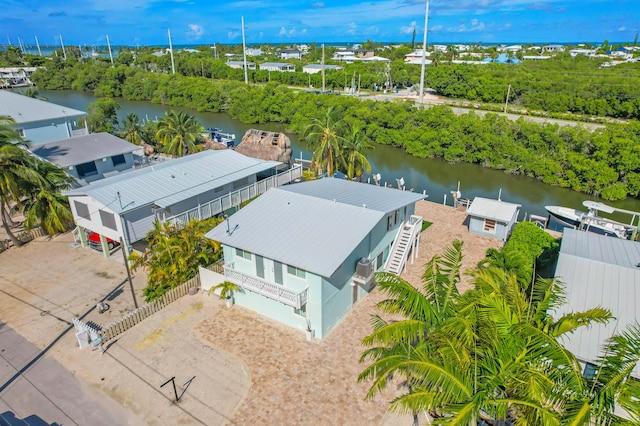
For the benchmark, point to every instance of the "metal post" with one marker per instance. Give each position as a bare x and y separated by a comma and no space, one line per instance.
424,52
244,55
123,247
63,49
109,46
38,45
323,68
506,102
173,65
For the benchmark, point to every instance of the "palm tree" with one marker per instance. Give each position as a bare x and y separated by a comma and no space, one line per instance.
132,129
43,203
325,135
178,133
494,352
353,147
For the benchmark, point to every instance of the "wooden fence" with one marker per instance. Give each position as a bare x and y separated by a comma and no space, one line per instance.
24,236
114,329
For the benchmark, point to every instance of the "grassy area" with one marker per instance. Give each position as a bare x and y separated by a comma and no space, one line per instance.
425,225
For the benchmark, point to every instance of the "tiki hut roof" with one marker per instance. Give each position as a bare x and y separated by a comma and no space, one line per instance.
269,146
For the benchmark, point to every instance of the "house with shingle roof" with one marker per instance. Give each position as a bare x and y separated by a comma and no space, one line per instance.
40,121
305,254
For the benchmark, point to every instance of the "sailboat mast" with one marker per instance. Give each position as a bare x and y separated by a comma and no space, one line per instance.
244,55
424,52
323,68
173,66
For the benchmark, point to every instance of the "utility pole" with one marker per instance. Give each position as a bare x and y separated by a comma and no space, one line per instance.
38,45
109,46
424,52
323,68
506,102
173,66
64,51
244,55
123,247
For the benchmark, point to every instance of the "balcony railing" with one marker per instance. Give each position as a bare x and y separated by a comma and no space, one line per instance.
235,198
265,288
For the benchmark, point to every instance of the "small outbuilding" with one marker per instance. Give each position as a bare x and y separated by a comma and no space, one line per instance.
492,218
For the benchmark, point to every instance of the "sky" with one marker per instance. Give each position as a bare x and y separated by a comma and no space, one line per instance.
145,22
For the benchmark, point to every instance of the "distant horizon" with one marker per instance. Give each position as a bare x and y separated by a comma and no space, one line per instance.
196,22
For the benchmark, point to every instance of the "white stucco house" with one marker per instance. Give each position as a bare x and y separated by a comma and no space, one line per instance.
198,186
305,254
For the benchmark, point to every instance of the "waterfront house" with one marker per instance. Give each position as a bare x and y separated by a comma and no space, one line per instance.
316,68
240,65
278,66
598,271
492,218
304,254
90,157
17,77
40,121
197,186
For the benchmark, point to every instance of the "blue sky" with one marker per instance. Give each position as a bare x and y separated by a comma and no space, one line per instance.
145,22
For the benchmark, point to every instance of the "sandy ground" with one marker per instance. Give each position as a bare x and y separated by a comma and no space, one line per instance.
234,366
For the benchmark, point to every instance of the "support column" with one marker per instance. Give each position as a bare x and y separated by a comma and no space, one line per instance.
105,246
83,236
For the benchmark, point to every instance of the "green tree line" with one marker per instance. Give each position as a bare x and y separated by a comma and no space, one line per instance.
604,163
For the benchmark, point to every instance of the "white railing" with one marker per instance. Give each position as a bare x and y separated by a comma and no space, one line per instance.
235,198
415,224
265,288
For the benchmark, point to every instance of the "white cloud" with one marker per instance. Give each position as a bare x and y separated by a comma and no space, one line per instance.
291,32
508,25
260,34
622,29
317,5
195,31
436,28
233,34
409,29
283,32
352,28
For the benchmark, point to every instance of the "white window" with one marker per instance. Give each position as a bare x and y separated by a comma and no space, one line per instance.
292,270
108,220
243,253
489,226
302,312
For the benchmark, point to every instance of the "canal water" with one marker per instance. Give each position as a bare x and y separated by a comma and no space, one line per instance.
436,177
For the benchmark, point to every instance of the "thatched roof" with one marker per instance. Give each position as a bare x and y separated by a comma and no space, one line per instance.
265,145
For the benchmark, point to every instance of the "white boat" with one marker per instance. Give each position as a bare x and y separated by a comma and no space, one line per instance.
592,221
226,139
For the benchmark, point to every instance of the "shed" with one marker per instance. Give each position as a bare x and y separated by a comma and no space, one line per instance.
492,218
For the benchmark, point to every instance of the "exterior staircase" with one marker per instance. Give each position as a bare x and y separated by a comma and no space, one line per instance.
406,242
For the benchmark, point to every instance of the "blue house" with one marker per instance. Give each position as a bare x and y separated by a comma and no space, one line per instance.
40,121
304,254
492,218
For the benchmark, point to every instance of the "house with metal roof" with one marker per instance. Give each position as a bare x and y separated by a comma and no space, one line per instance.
598,271
39,121
197,186
492,218
305,254
316,68
277,66
290,54
90,157
240,65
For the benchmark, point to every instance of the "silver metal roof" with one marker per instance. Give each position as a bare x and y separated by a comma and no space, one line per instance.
301,230
487,208
82,149
276,64
599,271
357,194
24,109
171,182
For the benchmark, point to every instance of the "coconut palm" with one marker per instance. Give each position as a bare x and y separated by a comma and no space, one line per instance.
178,133
494,352
43,203
353,149
325,136
132,129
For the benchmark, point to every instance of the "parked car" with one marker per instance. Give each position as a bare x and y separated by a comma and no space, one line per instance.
94,242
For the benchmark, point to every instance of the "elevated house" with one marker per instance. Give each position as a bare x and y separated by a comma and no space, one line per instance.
492,218
598,271
198,186
304,254
290,54
90,157
40,121
240,65
316,68
277,66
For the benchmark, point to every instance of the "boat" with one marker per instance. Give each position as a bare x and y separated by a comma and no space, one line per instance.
217,135
593,222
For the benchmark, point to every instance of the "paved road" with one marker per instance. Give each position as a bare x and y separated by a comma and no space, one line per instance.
43,392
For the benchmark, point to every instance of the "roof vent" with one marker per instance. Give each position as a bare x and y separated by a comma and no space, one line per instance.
173,176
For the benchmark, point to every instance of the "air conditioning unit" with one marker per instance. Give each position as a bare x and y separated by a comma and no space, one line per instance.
364,273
